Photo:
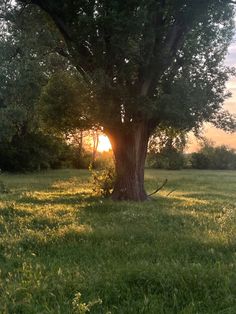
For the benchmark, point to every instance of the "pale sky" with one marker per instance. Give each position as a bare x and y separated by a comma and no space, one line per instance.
219,137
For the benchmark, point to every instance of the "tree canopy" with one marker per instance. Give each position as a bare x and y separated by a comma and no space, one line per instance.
154,60
24,70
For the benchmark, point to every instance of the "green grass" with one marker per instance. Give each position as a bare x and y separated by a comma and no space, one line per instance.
175,254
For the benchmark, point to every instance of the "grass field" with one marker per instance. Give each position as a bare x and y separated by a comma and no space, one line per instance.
175,254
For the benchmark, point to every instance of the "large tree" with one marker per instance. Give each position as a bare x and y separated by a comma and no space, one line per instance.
143,64
24,70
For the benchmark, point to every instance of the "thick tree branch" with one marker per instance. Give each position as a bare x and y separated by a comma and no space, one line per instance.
58,20
174,41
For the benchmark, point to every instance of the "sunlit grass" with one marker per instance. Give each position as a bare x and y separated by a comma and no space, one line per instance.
174,254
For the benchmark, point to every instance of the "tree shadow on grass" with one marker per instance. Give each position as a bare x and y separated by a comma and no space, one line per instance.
11,212
222,197
124,262
95,204
66,199
174,232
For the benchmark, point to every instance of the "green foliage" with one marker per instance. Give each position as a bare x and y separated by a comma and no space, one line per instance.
24,69
64,103
34,151
104,160
80,160
200,161
83,159
23,72
170,159
103,181
82,308
174,254
159,62
211,157
165,149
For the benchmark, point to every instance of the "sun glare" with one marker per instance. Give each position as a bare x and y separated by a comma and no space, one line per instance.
104,144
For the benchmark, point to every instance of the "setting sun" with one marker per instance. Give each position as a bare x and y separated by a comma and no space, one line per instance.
104,144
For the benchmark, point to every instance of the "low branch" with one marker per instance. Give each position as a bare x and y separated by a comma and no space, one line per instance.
159,188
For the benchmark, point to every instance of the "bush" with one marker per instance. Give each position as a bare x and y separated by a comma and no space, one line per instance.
83,160
166,159
33,151
103,181
200,161
210,157
80,160
104,160
80,307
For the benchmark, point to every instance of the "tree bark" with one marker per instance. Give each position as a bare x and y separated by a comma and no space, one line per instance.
130,149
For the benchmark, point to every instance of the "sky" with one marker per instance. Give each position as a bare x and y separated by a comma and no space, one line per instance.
220,137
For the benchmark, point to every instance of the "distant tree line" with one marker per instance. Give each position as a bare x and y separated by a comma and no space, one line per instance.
208,157
36,151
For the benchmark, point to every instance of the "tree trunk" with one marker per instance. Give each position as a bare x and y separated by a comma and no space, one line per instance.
95,137
130,149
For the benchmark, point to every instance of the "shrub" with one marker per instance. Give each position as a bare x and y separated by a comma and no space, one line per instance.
80,160
83,160
103,181
170,159
104,160
33,151
200,161
210,157
80,307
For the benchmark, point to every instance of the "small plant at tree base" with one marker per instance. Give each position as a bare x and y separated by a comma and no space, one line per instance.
103,181
80,307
